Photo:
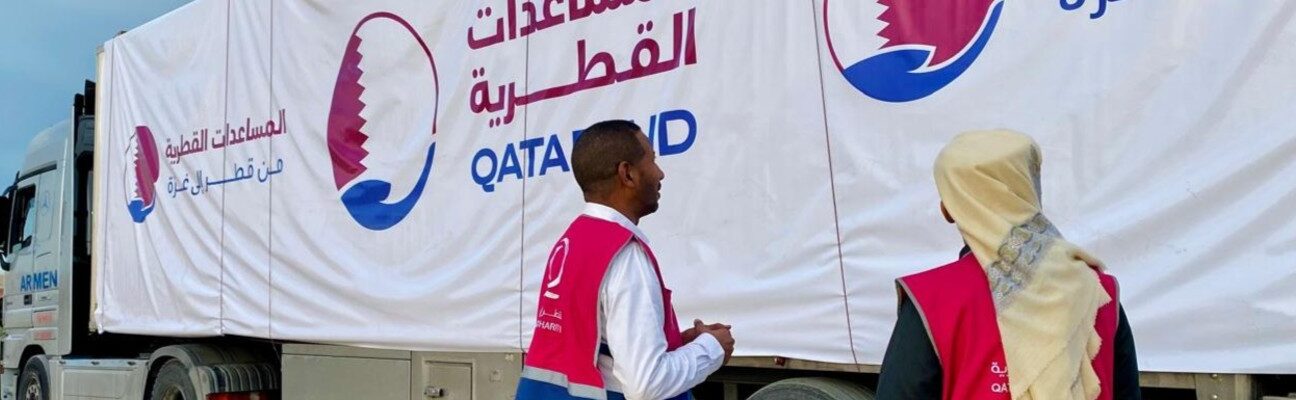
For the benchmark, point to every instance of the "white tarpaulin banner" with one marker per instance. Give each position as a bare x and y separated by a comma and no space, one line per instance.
394,173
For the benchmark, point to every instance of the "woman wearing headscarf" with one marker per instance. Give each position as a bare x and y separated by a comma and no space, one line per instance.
1023,313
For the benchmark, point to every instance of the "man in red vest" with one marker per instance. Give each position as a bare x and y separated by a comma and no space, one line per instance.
1023,313
605,327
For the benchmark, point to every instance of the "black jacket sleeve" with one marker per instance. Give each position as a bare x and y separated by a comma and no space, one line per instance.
1125,379
910,368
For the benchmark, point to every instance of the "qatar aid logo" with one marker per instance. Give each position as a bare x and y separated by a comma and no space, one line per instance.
925,44
365,127
141,174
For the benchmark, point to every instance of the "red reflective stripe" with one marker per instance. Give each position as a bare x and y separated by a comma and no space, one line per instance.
240,396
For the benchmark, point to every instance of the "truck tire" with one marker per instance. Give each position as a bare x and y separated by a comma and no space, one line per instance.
172,383
812,389
34,382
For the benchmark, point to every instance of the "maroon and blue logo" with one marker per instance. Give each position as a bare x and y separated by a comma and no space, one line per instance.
143,171
370,201
928,44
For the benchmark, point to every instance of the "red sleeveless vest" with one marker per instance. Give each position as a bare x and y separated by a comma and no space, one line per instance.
959,314
563,360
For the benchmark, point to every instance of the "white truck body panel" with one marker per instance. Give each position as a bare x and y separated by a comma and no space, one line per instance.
289,191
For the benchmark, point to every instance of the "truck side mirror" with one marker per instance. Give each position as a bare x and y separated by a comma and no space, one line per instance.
4,260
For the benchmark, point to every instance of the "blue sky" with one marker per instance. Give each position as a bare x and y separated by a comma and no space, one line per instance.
47,49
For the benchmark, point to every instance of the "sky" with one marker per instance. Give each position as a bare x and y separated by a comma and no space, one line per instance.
47,51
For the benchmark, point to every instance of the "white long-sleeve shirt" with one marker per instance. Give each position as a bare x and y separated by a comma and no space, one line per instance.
630,317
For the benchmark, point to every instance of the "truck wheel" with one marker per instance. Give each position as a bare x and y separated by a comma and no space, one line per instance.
34,382
812,389
172,383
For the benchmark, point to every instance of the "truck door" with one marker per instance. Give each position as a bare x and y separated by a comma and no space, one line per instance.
33,247
22,236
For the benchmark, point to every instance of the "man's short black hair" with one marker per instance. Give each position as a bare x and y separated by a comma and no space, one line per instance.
599,150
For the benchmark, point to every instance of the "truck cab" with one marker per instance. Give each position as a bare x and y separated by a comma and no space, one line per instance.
51,348
46,245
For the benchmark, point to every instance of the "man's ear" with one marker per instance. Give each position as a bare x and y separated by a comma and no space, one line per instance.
626,174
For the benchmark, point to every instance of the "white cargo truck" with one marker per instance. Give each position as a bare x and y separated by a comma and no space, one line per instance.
355,200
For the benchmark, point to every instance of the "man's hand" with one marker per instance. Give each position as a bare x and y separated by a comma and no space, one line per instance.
691,334
720,331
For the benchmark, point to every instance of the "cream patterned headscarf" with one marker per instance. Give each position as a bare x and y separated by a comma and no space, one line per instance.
1045,294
